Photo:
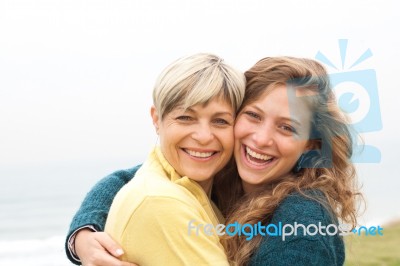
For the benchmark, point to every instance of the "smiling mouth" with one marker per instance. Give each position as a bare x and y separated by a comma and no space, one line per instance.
256,158
200,155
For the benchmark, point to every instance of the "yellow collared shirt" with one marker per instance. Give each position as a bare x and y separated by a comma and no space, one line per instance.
150,217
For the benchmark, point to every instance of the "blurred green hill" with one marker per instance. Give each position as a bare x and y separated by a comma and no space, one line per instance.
374,250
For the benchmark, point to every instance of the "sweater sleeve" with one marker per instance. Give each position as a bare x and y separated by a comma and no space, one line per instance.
96,205
305,246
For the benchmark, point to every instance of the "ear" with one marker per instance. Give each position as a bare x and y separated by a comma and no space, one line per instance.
155,117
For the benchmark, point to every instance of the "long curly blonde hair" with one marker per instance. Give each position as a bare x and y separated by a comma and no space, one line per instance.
331,171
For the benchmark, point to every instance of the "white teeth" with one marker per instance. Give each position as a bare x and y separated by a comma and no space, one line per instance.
199,154
257,155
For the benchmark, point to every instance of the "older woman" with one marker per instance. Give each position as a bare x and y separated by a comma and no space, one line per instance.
292,166
195,103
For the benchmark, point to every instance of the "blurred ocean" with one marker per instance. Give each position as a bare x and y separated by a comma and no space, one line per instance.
37,203
34,252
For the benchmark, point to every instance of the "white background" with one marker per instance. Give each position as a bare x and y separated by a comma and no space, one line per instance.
76,76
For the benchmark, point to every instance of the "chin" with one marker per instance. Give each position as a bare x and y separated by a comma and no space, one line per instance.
253,180
196,176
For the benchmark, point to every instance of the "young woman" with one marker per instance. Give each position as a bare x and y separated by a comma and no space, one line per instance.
292,152
292,166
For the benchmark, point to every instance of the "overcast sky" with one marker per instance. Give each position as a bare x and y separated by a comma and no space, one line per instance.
76,76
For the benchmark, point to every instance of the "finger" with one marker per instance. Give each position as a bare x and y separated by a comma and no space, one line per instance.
104,259
128,264
109,244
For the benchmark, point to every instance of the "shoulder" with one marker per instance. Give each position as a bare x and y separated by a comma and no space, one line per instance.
152,190
120,176
152,181
134,208
307,208
129,171
303,240
126,173
155,191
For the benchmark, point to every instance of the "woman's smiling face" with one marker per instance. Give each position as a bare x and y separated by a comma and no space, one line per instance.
198,142
271,133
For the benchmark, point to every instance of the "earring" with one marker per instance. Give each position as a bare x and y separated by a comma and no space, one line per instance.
299,163
306,160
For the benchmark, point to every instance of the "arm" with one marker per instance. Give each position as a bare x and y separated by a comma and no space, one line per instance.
98,248
96,205
301,249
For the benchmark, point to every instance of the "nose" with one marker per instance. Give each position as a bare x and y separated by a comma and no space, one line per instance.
203,134
264,135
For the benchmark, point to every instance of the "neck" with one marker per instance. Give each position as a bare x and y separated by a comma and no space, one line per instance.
206,185
250,188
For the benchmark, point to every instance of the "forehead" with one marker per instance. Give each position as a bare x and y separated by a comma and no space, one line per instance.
217,103
214,105
284,101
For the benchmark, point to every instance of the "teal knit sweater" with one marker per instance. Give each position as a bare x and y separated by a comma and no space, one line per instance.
96,205
300,249
294,250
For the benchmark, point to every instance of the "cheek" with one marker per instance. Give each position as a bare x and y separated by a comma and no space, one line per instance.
236,132
292,149
169,141
228,140
241,129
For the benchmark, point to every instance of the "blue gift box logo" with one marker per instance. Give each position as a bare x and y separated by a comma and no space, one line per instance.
357,95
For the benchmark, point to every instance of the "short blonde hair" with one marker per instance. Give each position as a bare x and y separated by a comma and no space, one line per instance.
197,79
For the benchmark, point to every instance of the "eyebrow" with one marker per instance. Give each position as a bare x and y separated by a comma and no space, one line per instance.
190,109
295,121
224,113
